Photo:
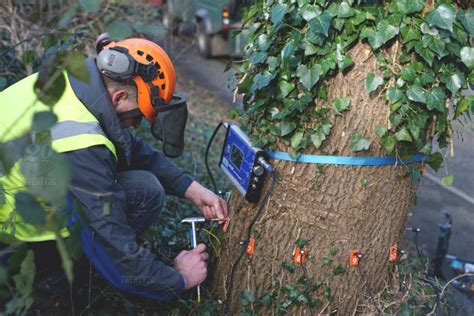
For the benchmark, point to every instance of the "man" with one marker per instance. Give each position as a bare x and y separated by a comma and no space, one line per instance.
113,169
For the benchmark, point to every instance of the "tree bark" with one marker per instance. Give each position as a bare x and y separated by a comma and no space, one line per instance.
350,207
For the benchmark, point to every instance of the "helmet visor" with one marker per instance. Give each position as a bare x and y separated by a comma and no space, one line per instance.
170,125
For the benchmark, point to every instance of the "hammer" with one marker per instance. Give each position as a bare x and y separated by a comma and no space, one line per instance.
192,236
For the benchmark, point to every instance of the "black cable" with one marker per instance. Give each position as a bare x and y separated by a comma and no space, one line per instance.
402,283
207,156
416,243
436,291
244,246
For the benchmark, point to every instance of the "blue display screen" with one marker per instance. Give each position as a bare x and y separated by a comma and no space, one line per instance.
238,157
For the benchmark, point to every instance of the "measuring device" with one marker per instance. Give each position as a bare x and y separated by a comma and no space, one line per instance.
244,164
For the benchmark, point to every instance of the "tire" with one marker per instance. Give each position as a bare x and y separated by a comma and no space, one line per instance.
170,23
203,41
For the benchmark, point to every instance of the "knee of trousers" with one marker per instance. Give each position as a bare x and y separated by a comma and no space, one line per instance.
146,184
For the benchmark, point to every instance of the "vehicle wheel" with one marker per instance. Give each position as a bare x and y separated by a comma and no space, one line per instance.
203,41
170,23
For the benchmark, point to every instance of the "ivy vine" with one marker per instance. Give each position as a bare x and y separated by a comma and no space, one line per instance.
296,46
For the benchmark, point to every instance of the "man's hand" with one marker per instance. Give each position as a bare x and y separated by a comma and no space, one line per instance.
192,265
210,205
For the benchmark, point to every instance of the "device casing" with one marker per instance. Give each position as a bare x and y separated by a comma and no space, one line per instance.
239,162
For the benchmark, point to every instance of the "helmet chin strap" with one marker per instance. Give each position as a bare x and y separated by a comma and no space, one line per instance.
135,113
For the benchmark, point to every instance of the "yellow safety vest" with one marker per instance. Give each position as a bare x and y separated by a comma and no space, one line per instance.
75,129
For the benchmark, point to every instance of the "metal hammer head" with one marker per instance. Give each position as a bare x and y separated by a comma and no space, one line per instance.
193,220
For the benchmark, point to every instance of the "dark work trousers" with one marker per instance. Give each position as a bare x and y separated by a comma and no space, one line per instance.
145,198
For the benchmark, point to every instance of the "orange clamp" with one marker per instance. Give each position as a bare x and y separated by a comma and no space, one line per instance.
250,246
299,254
353,258
393,253
225,225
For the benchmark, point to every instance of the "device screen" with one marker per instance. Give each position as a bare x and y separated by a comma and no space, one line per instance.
236,156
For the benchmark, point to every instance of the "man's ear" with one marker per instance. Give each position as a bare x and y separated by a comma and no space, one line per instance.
118,96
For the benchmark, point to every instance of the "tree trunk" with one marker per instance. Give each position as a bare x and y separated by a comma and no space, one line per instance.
350,207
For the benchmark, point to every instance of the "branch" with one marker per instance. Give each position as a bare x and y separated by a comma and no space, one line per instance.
41,35
446,286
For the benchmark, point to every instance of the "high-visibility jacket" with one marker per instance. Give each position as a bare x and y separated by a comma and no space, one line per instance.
75,129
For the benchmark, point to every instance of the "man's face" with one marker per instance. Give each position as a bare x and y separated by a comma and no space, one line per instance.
122,102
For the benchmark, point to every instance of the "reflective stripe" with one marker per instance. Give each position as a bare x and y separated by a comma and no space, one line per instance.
72,128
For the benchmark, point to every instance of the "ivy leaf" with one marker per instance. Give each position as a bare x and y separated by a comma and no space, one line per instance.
278,12
394,95
416,94
346,62
380,131
426,29
119,30
309,49
435,160
384,33
285,88
67,16
435,44
151,30
309,12
454,83
359,143
467,56
272,63
425,53
286,52
321,23
288,266
90,5
464,104
409,34
42,121
372,82
345,11
388,142
436,99
247,297
318,138
447,181
257,57
467,20
405,6
309,76
264,42
403,135
408,74
296,139
287,127
261,80
341,104
75,66
442,17
29,209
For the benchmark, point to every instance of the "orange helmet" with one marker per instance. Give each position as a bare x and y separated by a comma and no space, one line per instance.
144,62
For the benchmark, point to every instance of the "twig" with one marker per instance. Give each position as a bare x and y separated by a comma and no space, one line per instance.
446,286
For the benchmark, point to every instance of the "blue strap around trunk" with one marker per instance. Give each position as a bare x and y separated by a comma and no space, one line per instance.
345,160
